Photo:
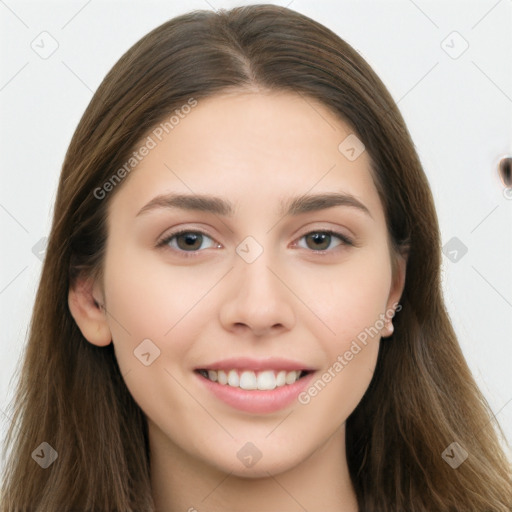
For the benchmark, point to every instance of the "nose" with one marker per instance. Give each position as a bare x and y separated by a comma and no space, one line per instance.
257,300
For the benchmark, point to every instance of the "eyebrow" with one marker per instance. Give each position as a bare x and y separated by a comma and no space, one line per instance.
291,207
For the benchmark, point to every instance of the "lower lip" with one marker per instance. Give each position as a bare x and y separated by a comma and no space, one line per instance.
256,401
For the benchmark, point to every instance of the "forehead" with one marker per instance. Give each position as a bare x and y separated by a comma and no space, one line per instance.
254,148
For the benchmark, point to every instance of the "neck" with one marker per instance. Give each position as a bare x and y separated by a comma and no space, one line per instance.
183,483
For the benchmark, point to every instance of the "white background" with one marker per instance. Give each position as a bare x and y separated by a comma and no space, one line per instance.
458,110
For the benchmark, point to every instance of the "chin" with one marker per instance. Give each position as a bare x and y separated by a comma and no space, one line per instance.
240,465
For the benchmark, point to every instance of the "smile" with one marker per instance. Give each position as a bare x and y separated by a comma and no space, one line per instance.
265,380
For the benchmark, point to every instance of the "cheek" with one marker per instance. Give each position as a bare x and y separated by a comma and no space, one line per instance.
348,302
348,322
347,298
149,299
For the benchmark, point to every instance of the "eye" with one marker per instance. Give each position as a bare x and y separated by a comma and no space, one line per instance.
188,241
320,241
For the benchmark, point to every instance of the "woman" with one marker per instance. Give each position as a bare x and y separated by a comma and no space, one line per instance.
240,304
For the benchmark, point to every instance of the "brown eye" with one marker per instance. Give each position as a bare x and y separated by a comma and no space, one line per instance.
323,240
318,241
188,241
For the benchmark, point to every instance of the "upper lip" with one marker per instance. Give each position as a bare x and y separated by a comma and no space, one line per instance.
246,363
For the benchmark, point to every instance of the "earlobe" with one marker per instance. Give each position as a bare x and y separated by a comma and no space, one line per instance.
85,302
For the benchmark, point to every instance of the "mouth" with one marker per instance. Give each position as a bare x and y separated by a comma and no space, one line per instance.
250,380
256,385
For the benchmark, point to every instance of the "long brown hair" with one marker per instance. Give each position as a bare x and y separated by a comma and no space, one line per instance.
71,394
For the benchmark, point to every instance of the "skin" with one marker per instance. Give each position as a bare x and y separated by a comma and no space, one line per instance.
253,149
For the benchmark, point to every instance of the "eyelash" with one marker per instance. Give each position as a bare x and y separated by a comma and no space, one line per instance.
345,240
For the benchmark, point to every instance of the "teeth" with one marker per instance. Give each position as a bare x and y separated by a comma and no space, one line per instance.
264,381
291,377
248,380
281,379
233,378
267,380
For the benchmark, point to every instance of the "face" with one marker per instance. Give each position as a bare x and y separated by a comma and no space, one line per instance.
249,284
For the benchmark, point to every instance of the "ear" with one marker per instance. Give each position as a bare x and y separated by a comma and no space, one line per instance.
86,303
397,287
398,283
